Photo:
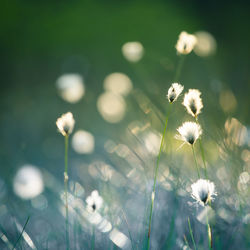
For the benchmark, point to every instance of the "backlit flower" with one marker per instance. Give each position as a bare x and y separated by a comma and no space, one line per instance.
203,191
189,132
174,91
94,201
193,103
185,43
65,124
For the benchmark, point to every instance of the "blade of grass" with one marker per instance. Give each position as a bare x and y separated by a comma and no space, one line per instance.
191,234
21,232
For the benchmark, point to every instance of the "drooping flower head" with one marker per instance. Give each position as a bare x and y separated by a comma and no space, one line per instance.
185,43
65,124
189,132
203,191
94,201
193,103
174,91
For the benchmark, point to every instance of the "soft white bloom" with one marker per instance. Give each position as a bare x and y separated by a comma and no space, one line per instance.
174,91
203,191
193,103
189,132
65,124
94,201
185,43
133,51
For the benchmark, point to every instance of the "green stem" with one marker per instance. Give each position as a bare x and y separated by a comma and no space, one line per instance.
203,157
197,168
209,232
93,239
191,233
66,178
202,153
21,232
155,178
179,67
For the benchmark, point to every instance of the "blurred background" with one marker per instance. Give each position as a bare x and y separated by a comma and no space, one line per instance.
111,63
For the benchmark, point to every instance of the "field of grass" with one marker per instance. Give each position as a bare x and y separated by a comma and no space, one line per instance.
100,150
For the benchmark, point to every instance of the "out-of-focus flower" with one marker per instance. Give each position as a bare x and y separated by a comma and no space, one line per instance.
83,142
71,87
65,124
193,103
133,51
185,43
203,191
189,132
174,91
94,201
28,182
205,45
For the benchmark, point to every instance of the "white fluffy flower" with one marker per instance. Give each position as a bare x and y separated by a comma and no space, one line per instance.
193,103
203,191
174,91
65,124
94,201
189,132
185,43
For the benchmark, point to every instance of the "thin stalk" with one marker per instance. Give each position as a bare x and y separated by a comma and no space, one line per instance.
202,153
66,178
155,177
179,67
21,232
209,234
203,157
93,239
197,168
191,234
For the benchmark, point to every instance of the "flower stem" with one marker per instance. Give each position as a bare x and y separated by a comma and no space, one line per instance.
93,239
202,153
66,178
197,168
155,176
179,67
191,233
209,232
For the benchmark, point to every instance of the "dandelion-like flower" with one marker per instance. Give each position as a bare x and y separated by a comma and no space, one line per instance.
94,201
193,103
65,124
189,132
185,43
203,191
174,91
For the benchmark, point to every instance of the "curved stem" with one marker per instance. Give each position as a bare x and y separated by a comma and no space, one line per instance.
66,178
197,168
155,177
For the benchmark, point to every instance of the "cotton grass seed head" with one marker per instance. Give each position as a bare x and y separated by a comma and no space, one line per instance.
185,43
65,124
94,201
174,91
203,191
193,103
189,132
